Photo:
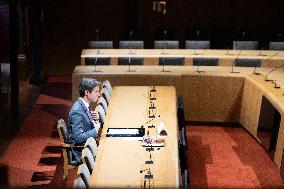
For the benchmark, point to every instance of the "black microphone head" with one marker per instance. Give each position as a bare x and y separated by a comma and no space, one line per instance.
141,171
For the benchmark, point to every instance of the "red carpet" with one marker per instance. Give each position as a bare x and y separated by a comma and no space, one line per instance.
218,157
32,156
221,157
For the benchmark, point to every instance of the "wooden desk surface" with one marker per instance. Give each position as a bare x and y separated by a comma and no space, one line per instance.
119,160
226,57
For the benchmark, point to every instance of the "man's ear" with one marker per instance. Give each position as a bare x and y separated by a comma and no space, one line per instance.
86,92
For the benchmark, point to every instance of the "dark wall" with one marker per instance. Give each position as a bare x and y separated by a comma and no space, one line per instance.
4,32
69,25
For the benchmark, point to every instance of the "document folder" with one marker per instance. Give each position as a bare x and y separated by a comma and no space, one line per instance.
125,132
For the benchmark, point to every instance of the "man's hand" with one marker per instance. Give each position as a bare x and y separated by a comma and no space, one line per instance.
95,115
97,125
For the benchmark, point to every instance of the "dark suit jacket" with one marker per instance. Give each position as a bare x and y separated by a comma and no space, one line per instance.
80,126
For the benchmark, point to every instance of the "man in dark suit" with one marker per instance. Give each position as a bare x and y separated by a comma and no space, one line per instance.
82,121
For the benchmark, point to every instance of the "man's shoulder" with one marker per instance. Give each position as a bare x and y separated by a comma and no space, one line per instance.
77,106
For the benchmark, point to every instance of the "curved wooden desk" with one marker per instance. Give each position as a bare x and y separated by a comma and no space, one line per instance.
215,95
151,56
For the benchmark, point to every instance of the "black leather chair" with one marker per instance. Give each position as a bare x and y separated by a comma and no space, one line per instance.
131,44
171,61
245,45
205,61
240,62
197,44
99,45
166,44
131,60
276,45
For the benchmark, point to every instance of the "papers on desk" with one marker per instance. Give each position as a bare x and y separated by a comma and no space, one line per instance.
153,141
125,132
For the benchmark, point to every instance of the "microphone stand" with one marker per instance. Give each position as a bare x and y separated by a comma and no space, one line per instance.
163,52
256,73
129,62
198,65
96,61
266,79
235,62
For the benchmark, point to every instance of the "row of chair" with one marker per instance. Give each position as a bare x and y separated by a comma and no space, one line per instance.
69,161
180,61
85,170
189,44
176,61
89,152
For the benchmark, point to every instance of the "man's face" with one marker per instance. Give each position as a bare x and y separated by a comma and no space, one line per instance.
94,94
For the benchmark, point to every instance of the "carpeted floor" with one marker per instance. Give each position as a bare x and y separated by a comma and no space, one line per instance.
222,157
219,157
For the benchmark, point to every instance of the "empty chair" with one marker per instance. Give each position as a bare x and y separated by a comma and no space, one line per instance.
106,84
131,44
247,62
197,44
88,159
91,144
101,112
276,45
174,61
105,94
103,103
205,61
166,44
79,183
84,173
68,159
131,60
245,45
99,45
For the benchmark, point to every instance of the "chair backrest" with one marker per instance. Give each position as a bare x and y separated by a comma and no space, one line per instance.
196,44
88,159
173,61
205,61
100,44
132,44
98,61
62,130
103,103
106,84
79,183
101,112
91,144
130,60
105,94
245,45
276,45
247,62
84,173
166,44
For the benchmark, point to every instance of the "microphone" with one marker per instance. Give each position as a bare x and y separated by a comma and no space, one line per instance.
235,62
130,47
130,41
97,34
274,81
198,65
256,73
142,170
96,60
165,47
